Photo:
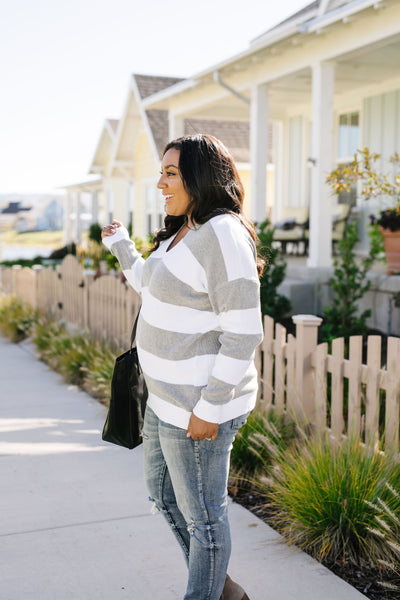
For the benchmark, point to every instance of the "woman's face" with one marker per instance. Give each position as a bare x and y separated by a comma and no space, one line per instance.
171,184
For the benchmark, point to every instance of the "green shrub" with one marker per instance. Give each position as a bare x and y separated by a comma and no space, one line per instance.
272,303
16,318
80,359
263,437
325,497
74,357
95,233
98,372
349,283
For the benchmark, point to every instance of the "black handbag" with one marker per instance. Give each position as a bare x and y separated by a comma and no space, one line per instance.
124,421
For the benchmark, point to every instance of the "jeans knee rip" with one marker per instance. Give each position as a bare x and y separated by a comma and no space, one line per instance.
202,532
159,507
156,507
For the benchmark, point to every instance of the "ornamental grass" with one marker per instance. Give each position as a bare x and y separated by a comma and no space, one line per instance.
329,496
16,318
263,438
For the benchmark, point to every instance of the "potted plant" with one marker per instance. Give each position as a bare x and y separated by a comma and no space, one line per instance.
375,184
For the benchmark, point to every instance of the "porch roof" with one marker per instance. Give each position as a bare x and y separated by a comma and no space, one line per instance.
362,37
85,186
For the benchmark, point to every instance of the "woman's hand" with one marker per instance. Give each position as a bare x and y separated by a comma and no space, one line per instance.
110,229
200,430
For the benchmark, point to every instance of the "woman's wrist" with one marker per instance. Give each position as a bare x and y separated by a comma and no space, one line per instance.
121,233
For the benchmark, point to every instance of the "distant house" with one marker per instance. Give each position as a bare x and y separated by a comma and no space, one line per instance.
14,208
32,212
10,214
51,216
127,160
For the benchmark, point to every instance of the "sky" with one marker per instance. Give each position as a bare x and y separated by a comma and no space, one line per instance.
65,67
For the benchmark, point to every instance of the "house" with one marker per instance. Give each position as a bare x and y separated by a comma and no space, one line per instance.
127,161
311,91
32,212
12,213
328,81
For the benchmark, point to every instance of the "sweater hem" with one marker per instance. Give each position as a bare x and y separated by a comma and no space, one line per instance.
179,417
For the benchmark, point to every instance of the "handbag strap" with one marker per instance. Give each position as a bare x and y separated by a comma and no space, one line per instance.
133,334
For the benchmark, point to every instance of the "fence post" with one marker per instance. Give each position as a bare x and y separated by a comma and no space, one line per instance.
306,342
88,278
37,270
16,269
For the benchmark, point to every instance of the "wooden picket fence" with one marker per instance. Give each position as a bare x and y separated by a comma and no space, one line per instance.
297,376
328,391
105,306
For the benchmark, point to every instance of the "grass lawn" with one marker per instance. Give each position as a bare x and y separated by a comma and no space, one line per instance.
33,238
53,239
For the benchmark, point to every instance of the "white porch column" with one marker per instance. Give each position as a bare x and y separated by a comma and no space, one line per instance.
279,172
67,237
323,82
95,207
176,126
78,224
130,202
259,150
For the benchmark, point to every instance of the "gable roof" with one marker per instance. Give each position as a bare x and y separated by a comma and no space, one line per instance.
104,145
151,84
234,134
14,208
113,123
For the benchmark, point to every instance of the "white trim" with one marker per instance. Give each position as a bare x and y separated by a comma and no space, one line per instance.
338,14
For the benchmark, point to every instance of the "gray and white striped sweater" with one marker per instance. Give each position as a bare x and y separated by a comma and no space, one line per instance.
200,320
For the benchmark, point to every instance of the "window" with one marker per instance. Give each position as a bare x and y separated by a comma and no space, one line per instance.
348,144
348,136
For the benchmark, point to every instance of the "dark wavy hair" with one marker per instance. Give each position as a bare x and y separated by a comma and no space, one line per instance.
211,179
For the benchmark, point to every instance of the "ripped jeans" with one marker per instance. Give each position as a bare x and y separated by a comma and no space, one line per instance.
187,481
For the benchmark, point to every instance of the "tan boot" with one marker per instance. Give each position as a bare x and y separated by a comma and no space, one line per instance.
233,591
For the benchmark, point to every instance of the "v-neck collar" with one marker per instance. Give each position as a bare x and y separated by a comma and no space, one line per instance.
171,245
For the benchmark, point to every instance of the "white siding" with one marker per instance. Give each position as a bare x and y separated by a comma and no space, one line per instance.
296,162
381,124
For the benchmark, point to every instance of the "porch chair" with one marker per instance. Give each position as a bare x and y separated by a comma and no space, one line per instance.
292,228
340,215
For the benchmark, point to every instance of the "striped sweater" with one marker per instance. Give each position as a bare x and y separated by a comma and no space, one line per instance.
200,320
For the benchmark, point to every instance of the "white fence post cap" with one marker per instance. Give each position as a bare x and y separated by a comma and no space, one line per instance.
307,320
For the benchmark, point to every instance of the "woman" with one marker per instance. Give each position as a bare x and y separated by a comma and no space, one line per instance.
199,325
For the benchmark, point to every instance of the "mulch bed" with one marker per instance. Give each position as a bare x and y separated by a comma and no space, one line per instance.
364,579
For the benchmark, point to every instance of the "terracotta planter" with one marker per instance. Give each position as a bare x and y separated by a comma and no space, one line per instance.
391,241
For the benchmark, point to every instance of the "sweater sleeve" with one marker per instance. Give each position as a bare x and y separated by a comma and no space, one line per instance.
130,260
234,292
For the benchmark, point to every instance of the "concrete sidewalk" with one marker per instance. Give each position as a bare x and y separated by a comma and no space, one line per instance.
75,522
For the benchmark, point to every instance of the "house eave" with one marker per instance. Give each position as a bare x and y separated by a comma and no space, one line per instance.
157,100
84,186
303,25
338,14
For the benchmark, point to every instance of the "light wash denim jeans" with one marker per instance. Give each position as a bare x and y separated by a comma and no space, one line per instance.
187,481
